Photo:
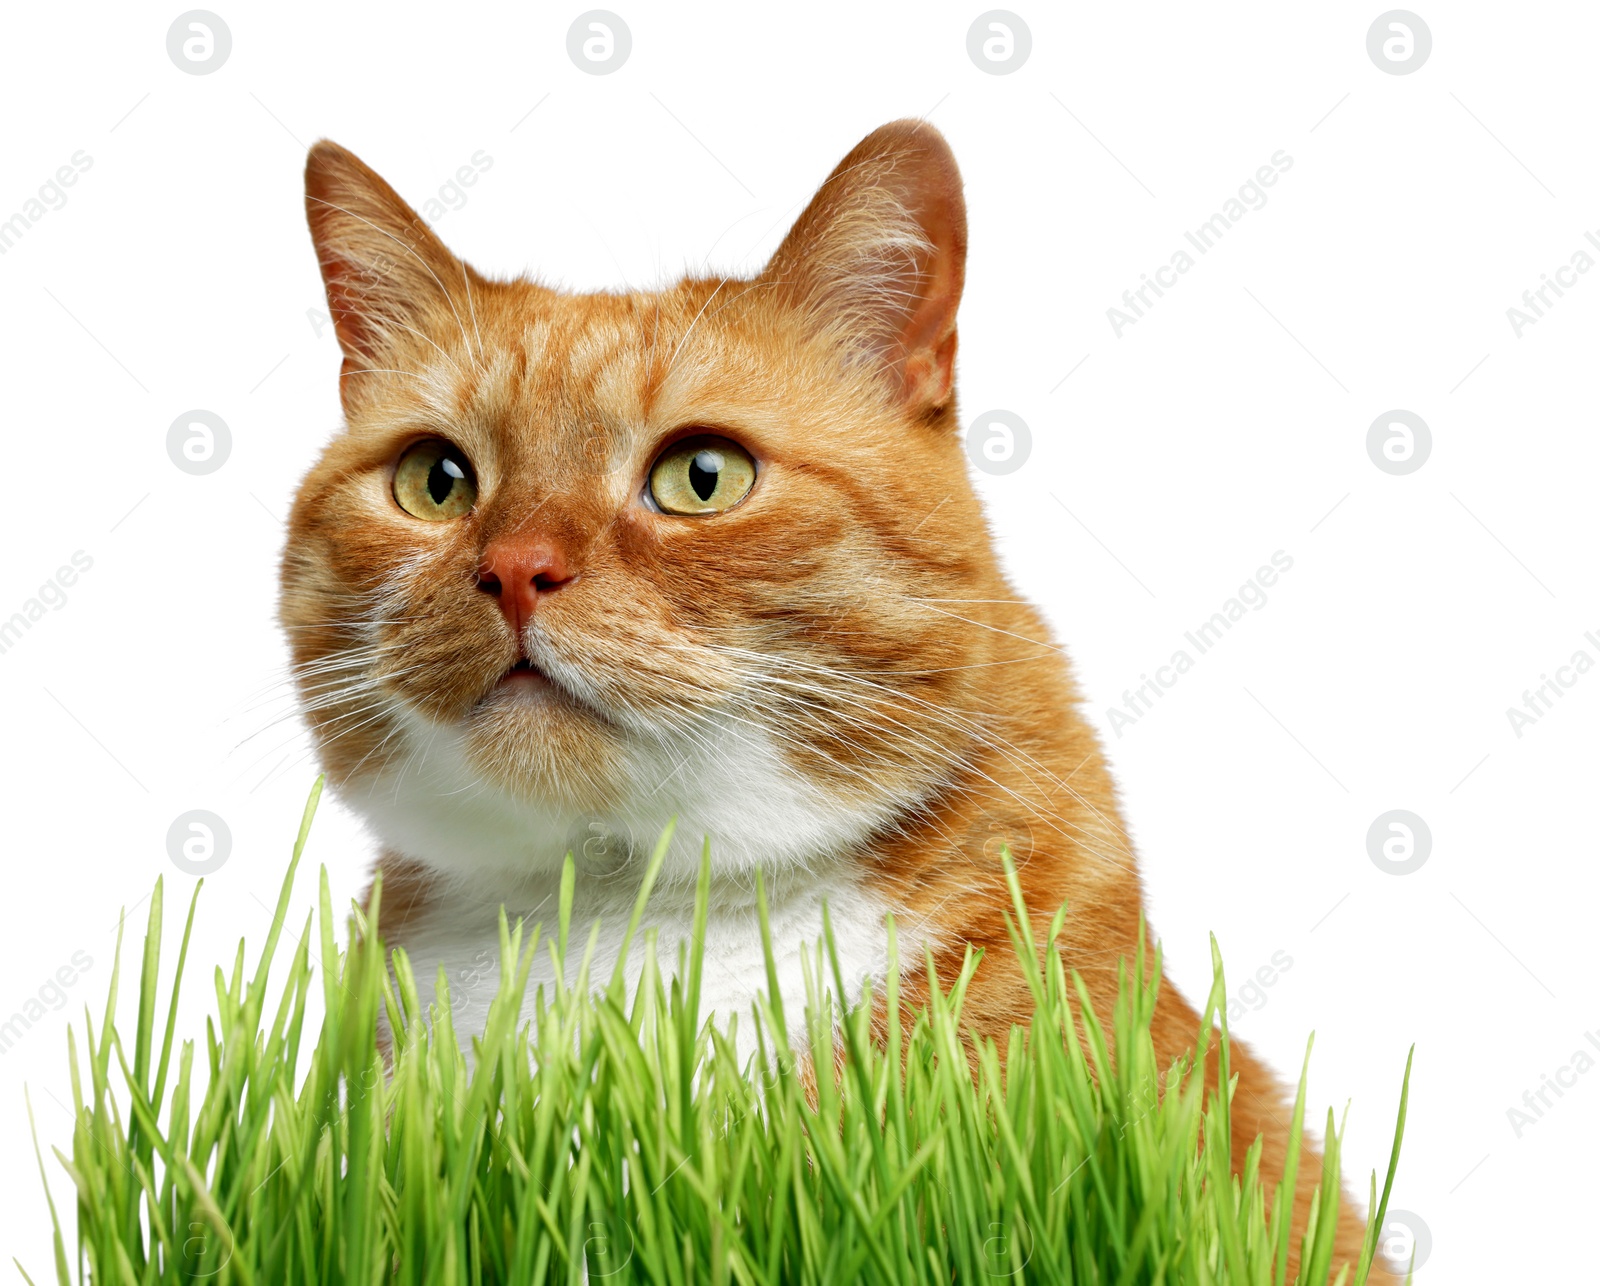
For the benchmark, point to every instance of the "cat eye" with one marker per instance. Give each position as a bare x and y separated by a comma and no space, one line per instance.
433,481
702,475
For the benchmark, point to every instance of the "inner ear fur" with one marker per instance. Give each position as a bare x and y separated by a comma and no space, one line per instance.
382,266
878,258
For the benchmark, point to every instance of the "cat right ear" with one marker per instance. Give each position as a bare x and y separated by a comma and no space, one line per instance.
383,267
877,260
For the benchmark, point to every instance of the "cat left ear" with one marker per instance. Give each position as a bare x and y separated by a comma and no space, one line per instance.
878,258
382,265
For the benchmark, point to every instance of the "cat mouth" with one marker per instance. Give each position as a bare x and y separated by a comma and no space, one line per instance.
525,672
525,683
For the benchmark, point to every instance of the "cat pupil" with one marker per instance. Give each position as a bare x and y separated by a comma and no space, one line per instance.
442,480
703,471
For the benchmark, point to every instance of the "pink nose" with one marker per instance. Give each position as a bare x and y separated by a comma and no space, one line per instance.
517,570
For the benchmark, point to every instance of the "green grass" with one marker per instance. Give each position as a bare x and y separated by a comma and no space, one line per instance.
615,1137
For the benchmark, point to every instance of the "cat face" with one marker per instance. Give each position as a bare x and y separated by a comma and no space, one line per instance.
590,561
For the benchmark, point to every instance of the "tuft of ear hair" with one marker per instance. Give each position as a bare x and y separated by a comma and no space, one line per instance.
877,260
381,263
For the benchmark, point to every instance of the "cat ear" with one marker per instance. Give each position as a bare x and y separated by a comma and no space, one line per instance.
878,258
382,265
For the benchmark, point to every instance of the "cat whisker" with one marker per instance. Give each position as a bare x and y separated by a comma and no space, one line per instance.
966,620
872,781
960,723
466,279
296,679
673,360
381,370
1011,602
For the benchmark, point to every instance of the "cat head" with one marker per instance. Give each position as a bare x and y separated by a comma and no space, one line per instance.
582,562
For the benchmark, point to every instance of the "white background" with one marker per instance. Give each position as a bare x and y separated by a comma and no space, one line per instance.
1227,423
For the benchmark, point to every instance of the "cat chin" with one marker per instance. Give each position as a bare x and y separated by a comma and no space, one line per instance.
505,795
543,748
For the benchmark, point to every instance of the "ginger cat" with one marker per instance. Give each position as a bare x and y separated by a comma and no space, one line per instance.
581,563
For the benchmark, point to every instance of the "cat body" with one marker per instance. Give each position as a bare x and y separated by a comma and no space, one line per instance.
583,564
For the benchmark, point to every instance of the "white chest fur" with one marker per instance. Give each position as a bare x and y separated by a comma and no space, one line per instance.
730,783
489,849
458,933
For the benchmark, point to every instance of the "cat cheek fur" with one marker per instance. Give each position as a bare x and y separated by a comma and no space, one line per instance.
833,680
